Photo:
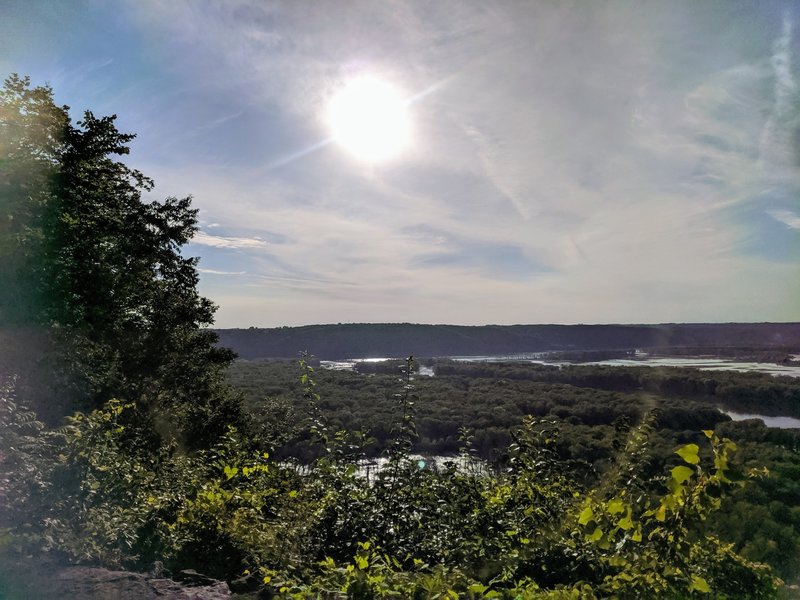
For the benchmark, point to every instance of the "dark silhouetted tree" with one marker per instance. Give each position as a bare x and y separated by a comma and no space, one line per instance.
102,270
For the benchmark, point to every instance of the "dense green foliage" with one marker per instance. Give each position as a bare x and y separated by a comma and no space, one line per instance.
492,399
31,144
100,271
530,530
748,391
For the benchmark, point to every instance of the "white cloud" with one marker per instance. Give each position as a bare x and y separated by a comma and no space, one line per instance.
606,149
787,217
785,89
217,241
216,272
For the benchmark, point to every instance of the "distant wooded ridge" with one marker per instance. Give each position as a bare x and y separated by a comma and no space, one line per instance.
365,340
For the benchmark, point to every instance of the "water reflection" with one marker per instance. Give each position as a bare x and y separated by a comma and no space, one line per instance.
706,364
779,422
703,364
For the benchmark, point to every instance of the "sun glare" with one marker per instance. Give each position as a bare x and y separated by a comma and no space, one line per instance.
369,119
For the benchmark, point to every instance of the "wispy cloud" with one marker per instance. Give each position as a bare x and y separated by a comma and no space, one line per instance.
785,88
223,119
218,241
787,217
216,272
570,161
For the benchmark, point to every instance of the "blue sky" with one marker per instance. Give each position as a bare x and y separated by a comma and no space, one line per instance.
569,162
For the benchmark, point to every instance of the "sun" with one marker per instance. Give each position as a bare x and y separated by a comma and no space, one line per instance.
369,118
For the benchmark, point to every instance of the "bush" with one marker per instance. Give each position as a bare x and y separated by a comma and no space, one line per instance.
95,495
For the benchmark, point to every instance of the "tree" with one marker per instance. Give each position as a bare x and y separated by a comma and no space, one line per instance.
31,144
104,271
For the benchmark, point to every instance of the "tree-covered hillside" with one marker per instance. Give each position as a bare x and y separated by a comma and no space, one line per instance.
363,340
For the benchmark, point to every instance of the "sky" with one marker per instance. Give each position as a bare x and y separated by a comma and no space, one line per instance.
611,161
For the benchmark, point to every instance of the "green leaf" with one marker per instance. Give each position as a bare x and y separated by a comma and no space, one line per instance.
596,535
699,585
661,513
585,516
689,453
230,471
616,506
637,535
681,474
721,463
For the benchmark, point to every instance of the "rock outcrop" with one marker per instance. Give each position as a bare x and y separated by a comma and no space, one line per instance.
90,583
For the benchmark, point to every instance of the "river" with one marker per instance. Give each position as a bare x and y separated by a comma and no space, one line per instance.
778,422
703,364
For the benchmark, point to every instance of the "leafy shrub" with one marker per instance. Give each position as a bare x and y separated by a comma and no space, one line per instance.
528,531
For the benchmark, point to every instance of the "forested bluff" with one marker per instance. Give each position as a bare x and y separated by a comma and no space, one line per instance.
766,341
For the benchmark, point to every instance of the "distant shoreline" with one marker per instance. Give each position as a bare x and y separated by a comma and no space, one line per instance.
762,342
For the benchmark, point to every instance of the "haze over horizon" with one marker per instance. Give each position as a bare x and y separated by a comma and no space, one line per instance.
615,162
